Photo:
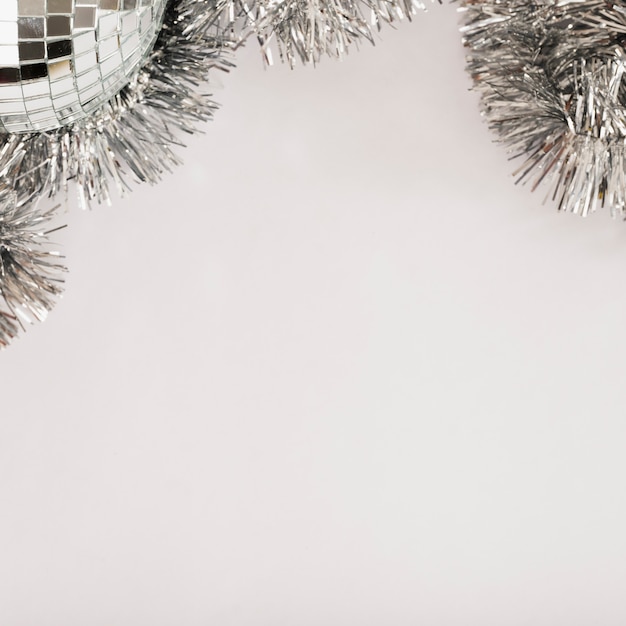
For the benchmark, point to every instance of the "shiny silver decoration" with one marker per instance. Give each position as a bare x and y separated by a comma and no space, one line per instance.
305,30
551,78
60,60
132,136
30,271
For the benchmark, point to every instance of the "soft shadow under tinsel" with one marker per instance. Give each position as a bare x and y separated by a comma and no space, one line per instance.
302,29
551,78
30,272
132,138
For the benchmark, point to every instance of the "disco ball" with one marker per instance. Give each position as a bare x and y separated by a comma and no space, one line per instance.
62,59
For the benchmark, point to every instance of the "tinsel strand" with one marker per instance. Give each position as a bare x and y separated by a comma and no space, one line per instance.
551,78
30,271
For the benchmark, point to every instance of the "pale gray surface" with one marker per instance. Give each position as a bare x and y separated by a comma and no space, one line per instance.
336,370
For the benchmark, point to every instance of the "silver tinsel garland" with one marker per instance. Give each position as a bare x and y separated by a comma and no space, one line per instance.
30,272
551,78
304,30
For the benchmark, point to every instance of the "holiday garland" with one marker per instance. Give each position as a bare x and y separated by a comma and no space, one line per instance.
550,75
97,94
32,273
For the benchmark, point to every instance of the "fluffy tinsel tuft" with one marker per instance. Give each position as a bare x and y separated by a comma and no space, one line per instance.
302,29
30,272
132,137
551,78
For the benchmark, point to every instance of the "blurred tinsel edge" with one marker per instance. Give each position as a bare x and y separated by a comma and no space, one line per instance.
550,76
304,30
30,269
132,137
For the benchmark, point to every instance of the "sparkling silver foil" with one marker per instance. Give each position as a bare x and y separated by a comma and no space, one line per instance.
30,270
551,78
62,59
304,30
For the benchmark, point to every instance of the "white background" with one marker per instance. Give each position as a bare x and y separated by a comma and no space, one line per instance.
336,370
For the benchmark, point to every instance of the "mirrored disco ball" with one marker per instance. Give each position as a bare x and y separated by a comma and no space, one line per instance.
62,59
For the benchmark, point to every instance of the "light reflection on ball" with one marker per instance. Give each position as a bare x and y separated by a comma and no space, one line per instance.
62,59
